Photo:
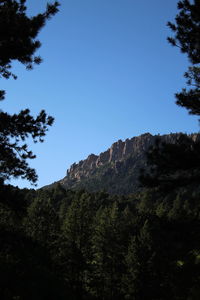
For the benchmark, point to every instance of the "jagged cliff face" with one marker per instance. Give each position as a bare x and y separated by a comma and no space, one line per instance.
118,152
116,170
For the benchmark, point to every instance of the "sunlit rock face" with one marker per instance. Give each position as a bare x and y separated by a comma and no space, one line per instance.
115,170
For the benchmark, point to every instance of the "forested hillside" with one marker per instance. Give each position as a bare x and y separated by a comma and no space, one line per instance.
58,244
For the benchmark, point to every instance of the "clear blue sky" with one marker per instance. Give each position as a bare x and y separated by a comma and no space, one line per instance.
108,74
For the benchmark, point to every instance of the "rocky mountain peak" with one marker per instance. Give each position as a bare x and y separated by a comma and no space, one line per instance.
118,151
122,160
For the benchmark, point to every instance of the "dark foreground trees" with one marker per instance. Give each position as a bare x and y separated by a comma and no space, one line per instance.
176,165
18,42
187,37
105,247
25,266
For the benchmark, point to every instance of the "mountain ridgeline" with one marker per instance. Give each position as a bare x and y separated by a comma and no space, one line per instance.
117,169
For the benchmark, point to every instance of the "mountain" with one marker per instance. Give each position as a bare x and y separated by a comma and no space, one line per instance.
116,170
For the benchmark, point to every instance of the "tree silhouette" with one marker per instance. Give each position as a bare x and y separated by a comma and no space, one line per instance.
178,164
187,38
18,33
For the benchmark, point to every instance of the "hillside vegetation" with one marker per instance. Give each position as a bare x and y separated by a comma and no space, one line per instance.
58,244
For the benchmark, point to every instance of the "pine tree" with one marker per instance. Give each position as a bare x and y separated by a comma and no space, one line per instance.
108,250
179,164
75,245
187,38
42,222
18,33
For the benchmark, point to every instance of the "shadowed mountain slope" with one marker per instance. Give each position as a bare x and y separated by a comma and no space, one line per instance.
117,169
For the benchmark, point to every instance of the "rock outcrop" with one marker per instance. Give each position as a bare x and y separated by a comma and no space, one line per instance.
116,170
